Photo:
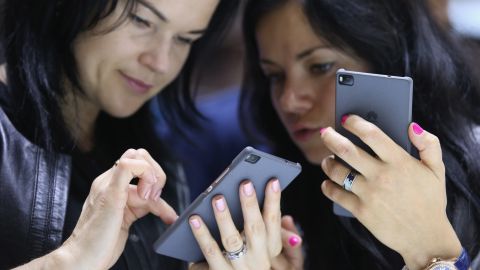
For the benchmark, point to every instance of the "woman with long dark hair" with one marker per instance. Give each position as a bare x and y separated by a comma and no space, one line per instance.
75,89
400,203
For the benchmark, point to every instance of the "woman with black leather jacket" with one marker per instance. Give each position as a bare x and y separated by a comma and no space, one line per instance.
74,98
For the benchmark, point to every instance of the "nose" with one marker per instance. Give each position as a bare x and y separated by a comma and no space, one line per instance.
157,58
296,98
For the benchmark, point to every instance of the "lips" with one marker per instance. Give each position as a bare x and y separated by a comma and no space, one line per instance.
303,134
137,86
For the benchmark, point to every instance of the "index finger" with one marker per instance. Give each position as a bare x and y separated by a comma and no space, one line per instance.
383,145
159,173
126,168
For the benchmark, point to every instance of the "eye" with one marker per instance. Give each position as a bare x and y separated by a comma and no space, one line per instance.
139,21
185,41
274,78
321,68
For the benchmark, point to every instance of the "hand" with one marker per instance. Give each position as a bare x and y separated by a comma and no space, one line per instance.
399,199
262,231
110,209
291,257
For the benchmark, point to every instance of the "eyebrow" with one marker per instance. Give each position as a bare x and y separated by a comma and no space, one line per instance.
307,52
299,56
154,10
268,62
162,17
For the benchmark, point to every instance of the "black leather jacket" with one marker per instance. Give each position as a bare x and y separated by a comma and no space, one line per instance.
34,188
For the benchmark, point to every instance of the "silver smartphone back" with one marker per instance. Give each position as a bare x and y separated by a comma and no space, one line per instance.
383,100
250,164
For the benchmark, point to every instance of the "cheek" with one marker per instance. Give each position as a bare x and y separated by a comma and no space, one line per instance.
176,64
325,97
275,99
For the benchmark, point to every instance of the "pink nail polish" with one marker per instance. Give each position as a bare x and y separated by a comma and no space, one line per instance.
248,189
220,204
344,119
195,223
322,130
417,129
293,241
276,186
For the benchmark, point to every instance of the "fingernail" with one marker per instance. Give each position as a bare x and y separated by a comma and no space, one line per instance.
344,118
276,186
293,241
417,129
195,223
322,130
220,204
147,194
248,189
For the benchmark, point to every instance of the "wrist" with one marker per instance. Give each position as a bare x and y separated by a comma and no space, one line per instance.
60,258
447,247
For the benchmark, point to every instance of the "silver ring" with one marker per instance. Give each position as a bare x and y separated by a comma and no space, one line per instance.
348,181
233,255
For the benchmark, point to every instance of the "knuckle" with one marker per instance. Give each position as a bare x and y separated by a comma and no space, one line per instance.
383,177
123,163
273,218
339,172
232,242
130,152
433,140
343,149
256,228
210,249
161,175
142,152
369,133
250,203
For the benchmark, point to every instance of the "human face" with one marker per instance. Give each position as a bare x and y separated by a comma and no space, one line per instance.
120,70
301,68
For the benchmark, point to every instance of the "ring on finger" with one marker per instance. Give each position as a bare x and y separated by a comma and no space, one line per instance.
349,180
233,255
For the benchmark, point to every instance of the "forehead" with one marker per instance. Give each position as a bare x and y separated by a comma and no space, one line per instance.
286,29
184,12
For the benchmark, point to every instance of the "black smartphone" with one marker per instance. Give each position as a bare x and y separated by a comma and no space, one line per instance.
383,100
250,164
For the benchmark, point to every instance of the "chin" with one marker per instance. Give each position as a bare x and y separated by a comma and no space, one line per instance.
122,112
315,156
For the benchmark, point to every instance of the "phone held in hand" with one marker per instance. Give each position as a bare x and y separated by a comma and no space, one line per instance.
384,100
250,164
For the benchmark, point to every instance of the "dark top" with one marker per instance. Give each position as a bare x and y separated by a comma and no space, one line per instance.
41,197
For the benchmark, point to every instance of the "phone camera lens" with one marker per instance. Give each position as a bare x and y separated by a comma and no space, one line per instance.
345,79
251,158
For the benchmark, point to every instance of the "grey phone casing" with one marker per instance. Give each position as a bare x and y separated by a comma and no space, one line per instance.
383,100
178,240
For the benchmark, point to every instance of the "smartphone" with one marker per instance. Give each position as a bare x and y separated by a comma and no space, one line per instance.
383,100
250,164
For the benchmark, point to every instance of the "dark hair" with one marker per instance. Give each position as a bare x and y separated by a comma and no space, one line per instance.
396,38
38,50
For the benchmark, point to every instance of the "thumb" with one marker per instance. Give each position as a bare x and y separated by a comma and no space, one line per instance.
292,246
429,149
140,207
